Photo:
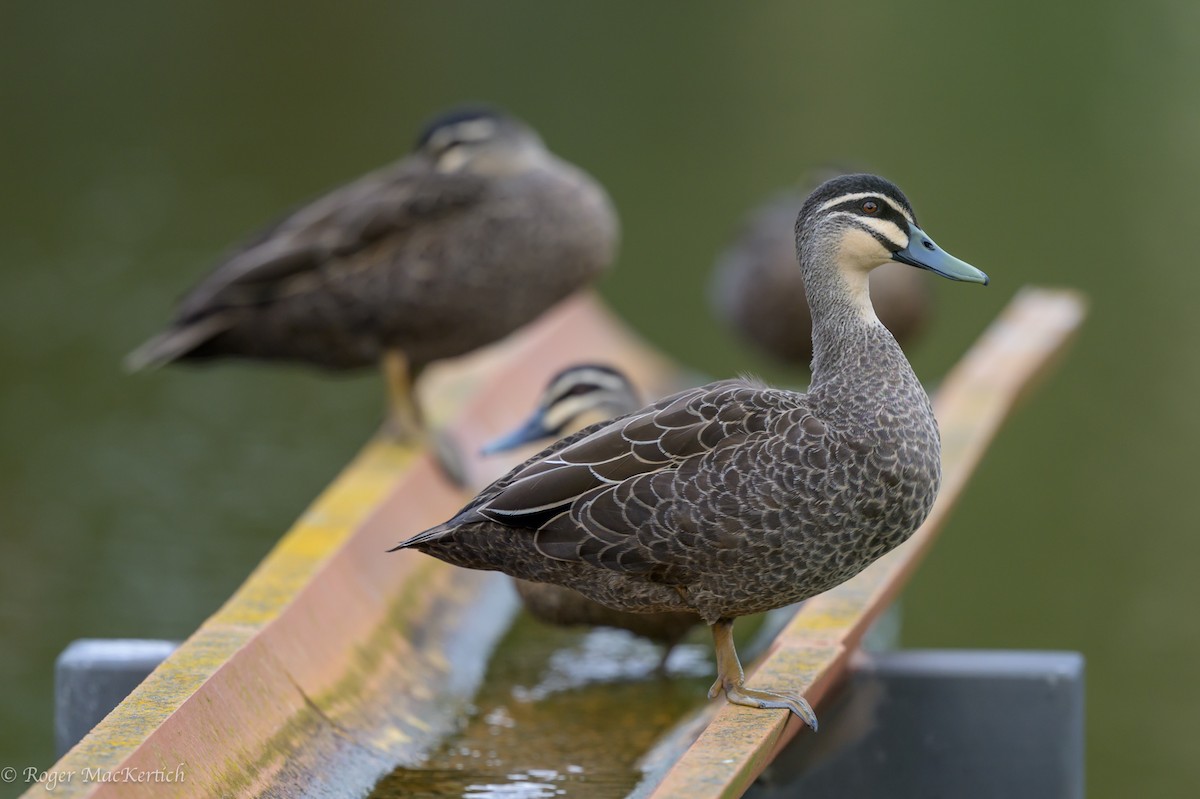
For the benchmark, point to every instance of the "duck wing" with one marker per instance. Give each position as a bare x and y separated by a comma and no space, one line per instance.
384,203
607,495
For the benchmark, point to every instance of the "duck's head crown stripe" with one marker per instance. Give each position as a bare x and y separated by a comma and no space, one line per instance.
849,188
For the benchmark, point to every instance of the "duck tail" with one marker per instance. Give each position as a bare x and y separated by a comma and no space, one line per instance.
417,540
173,343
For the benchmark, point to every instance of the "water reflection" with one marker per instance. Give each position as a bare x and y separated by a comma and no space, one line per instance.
606,656
561,713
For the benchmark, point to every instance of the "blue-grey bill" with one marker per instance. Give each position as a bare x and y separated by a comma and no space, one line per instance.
532,429
923,253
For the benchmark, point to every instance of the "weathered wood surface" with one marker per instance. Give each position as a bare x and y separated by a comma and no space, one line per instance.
335,662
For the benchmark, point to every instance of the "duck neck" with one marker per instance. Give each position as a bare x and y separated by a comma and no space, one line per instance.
850,344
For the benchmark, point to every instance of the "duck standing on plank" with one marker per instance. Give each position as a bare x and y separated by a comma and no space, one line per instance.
735,498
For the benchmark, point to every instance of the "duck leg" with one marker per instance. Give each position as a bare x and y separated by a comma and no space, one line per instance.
403,421
730,679
405,424
661,669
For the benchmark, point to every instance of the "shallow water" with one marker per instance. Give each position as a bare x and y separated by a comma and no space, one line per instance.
1051,144
561,713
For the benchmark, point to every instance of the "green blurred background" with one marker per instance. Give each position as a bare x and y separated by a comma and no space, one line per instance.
1045,143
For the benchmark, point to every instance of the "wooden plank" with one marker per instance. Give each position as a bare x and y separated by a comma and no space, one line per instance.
811,652
335,661
332,664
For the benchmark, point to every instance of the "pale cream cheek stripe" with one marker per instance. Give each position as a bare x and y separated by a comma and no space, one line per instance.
860,248
562,411
884,227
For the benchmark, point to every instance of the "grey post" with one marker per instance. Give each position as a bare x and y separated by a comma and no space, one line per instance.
92,676
943,723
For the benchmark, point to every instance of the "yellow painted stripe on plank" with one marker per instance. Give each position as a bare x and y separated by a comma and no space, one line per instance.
318,533
335,514
275,694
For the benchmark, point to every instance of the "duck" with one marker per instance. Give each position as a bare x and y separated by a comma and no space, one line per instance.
756,289
574,394
476,232
734,498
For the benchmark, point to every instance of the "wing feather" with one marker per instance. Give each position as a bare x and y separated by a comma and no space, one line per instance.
623,494
384,203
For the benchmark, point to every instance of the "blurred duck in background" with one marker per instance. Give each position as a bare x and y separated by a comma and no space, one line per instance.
573,399
758,291
476,232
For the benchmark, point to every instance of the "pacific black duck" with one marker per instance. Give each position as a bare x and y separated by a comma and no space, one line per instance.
576,394
735,498
476,232
758,291
573,398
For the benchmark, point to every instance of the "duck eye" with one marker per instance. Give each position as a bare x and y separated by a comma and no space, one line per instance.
870,207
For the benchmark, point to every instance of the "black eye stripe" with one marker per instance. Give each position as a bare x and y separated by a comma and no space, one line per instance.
852,211
575,390
886,211
581,388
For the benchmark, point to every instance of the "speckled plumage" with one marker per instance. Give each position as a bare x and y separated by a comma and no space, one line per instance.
573,394
758,291
732,498
475,233
735,498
